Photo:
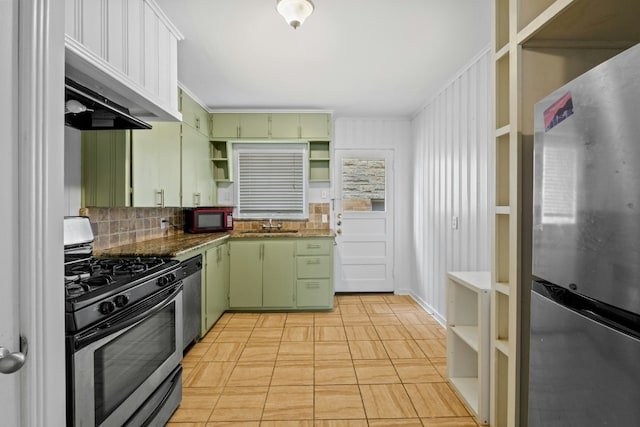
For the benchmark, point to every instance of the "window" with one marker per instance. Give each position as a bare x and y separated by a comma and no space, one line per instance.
270,180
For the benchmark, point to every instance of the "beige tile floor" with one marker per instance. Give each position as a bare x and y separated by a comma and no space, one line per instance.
375,360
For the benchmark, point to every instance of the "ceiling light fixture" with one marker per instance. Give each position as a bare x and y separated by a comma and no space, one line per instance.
295,11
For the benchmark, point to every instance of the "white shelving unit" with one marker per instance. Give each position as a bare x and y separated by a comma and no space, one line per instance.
468,338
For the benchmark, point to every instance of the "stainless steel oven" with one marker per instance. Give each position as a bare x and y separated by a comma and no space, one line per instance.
123,341
118,364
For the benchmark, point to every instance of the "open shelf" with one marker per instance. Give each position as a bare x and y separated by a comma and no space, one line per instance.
468,334
319,161
468,301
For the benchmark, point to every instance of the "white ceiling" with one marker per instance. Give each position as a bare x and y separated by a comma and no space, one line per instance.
353,57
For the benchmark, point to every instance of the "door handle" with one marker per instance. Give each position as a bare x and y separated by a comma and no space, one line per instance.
12,362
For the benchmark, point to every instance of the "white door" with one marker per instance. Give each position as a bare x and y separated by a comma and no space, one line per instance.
32,188
9,333
363,220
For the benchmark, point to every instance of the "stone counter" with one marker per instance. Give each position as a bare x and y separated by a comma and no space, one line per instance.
174,245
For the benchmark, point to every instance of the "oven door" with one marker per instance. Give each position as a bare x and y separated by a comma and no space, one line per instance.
116,367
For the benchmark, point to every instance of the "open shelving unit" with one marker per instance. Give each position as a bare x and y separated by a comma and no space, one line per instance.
538,46
220,161
319,161
468,338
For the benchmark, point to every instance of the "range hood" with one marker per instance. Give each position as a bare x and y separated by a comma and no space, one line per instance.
88,110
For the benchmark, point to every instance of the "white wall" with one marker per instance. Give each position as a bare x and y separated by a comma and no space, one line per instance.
452,176
394,134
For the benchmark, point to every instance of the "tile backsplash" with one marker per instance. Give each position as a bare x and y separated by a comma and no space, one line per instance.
120,226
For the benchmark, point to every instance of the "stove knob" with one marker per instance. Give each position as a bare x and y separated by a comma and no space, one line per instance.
121,300
162,281
107,307
171,277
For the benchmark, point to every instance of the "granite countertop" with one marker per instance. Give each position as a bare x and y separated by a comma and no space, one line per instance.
174,245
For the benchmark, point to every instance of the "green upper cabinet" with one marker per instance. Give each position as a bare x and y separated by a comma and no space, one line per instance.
315,126
197,182
226,126
156,165
285,125
193,114
105,168
235,125
254,125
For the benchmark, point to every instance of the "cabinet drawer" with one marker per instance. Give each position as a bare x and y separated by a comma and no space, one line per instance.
313,266
314,293
314,247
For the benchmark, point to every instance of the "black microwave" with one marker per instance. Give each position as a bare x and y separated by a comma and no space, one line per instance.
208,219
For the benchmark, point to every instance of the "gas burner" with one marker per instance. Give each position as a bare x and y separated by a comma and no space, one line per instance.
75,289
100,280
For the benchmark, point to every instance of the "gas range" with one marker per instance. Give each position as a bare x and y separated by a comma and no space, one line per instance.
97,288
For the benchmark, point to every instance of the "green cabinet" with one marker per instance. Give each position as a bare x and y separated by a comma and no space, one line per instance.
224,126
285,125
245,274
193,114
314,273
156,165
315,126
235,125
280,273
197,183
262,274
105,180
216,286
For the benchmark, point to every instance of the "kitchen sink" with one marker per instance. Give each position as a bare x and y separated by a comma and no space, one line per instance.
269,232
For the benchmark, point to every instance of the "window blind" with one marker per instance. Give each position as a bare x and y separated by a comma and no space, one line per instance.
271,183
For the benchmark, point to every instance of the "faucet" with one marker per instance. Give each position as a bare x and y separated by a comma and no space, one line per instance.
270,226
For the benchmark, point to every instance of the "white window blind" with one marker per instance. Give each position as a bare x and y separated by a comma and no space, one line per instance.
271,181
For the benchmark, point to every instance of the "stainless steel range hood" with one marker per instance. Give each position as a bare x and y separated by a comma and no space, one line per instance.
88,110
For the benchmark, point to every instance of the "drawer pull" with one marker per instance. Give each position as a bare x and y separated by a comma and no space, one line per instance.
313,285
313,262
313,246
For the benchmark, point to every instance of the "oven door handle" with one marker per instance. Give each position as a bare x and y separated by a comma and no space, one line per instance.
118,323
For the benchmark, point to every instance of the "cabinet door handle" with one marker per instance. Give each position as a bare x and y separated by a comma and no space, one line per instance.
160,198
313,261
198,123
196,199
313,285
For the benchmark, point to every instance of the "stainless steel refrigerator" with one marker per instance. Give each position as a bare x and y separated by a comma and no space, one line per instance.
585,301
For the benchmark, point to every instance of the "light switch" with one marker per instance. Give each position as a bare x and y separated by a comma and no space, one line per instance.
324,218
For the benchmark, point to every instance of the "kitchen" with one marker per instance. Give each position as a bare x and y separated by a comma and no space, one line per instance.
41,191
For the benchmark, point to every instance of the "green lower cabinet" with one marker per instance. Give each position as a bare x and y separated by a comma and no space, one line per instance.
262,274
281,274
245,274
278,275
314,293
314,273
216,285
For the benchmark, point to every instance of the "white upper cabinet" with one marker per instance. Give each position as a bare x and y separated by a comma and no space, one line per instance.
126,48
